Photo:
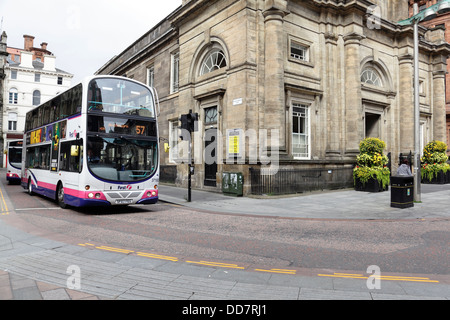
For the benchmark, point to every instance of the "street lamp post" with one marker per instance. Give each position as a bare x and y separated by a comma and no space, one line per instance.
425,15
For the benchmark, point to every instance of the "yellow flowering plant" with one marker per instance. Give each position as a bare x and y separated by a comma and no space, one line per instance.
371,163
434,160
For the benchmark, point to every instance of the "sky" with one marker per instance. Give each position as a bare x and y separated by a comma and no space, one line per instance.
82,34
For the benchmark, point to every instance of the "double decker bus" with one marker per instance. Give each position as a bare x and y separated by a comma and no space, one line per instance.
95,144
14,161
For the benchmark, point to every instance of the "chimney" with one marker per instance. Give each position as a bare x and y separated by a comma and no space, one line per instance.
26,59
44,45
28,42
49,63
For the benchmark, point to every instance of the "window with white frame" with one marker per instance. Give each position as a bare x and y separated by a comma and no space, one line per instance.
13,74
12,121
36,97
300,131
299,51
151,76
173,140
214,60
175,69
13,96
372,77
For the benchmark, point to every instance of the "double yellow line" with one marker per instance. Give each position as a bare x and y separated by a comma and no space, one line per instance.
386,278
4,207
235,266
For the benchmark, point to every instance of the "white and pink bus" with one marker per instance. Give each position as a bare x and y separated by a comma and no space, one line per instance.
95,144
14,161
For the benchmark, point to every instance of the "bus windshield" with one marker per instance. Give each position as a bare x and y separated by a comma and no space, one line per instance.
121,159
120,97
15,157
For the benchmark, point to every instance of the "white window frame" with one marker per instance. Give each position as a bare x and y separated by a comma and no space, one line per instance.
306,135
214,60
37,97
175,72
12,121
173,140
372,77
13,96
304,49
151,76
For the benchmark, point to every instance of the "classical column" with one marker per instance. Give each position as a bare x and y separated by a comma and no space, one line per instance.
274,52
406,104
439,112
331,74
354,117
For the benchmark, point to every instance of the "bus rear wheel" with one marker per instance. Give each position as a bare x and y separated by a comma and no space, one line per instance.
60,196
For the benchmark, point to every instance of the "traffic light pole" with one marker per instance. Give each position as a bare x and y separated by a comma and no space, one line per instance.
190,169
189,123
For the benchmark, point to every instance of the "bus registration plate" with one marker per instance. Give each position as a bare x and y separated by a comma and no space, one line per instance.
124,201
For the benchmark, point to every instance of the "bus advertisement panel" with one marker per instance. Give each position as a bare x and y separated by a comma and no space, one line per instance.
94,145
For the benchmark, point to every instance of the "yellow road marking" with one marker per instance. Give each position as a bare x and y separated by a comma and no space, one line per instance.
283,271
387,278
114,249
217,264
4,206
156,256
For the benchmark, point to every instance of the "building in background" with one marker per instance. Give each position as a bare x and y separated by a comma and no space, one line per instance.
441,22
318,76
3,56
31,78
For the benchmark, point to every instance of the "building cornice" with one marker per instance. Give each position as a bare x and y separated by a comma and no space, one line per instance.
40,71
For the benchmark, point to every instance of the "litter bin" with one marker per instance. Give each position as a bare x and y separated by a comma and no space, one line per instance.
402,191
232,184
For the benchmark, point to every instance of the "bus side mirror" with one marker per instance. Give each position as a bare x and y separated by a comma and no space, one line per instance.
74,151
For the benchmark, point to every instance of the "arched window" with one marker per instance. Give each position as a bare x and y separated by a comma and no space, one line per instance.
214,60
371,76
36,97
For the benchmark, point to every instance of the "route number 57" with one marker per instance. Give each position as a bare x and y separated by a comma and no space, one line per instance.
140,130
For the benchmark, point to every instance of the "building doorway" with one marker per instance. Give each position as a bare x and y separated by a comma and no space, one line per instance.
210,157
373,125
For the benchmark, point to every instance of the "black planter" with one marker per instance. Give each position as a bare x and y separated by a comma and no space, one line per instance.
440,178
372,185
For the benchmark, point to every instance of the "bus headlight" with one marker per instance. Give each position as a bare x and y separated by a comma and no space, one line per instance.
90,195
151,193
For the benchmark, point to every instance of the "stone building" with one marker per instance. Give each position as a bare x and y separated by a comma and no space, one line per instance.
31,78
287,85
442,22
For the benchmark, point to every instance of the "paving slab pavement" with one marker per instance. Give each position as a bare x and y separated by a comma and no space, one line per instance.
336,204
34,268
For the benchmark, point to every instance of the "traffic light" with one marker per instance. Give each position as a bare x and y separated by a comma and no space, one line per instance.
189,121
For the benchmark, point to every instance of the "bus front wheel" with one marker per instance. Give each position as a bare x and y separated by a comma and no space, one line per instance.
60,196
30,187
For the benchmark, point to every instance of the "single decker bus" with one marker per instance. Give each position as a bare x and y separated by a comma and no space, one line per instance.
14,161
95,144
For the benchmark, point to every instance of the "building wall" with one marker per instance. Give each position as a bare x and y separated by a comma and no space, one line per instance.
442,22
25,85
262,87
